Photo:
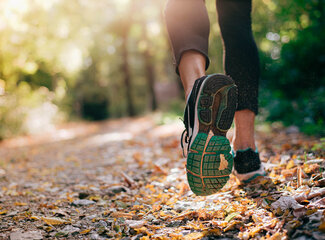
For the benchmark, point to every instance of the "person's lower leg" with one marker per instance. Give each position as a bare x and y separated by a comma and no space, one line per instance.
243,137
242,64
191,67
188,29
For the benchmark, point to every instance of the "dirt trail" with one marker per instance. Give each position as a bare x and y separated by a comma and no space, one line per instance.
125,179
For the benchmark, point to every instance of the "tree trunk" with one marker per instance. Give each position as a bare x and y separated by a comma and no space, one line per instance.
127,76
150,72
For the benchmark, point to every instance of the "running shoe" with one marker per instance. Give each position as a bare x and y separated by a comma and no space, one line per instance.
208,115
247,165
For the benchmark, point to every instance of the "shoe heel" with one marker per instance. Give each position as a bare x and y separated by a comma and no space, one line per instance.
223,88
227,107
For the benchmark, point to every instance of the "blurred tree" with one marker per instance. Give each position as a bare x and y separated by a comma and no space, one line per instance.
293,59
150,70
98,59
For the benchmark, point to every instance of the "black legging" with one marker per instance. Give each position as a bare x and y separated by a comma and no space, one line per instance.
188,26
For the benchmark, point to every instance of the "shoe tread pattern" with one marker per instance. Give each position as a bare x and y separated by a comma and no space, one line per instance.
203,164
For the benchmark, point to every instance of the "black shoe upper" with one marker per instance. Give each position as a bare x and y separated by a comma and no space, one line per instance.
189,112
247,161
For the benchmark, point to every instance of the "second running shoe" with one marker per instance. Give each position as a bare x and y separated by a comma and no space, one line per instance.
208,115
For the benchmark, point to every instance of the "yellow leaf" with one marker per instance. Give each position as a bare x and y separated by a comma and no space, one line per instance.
141,230
322,226
94,198
214,232
254,231
279,211
53,220
162,214
34,218
85,231
3,212
276,236
20,204
290,164
194,236
310,211
231,216
144,238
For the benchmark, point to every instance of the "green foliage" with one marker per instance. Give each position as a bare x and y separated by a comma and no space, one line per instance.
51,53
293,80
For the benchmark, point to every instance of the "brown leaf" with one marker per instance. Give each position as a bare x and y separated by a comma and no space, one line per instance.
54,221
316,193
300,197
318,204
194,236
299,177
137,156
159,169
120,215
320,183
287,173
128,179
286,202
312,168
20,204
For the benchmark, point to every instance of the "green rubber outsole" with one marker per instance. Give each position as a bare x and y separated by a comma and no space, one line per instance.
209,164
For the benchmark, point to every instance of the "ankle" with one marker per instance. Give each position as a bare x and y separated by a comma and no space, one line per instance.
242,145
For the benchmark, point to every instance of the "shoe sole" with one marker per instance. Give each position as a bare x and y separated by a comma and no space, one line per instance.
209,162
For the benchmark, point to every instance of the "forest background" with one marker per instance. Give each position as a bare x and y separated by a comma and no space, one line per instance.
93,60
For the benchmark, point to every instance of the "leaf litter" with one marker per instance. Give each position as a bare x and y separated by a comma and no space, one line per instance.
137,189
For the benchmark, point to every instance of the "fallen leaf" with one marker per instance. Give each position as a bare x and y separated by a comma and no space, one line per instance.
54,221
20,204
322,226
300,197
128,179
159,169
299,177
290,164
121,214
135,223
84,232
286,202
194,236
318,204
231,216
3,212
312,168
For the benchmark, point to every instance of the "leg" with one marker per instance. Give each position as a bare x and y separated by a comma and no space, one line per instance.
191,67
211,104
188,28
242,64
244,130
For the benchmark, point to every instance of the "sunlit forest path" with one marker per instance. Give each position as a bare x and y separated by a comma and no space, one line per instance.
125,179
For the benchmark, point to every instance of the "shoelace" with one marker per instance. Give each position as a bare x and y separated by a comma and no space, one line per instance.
184,138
